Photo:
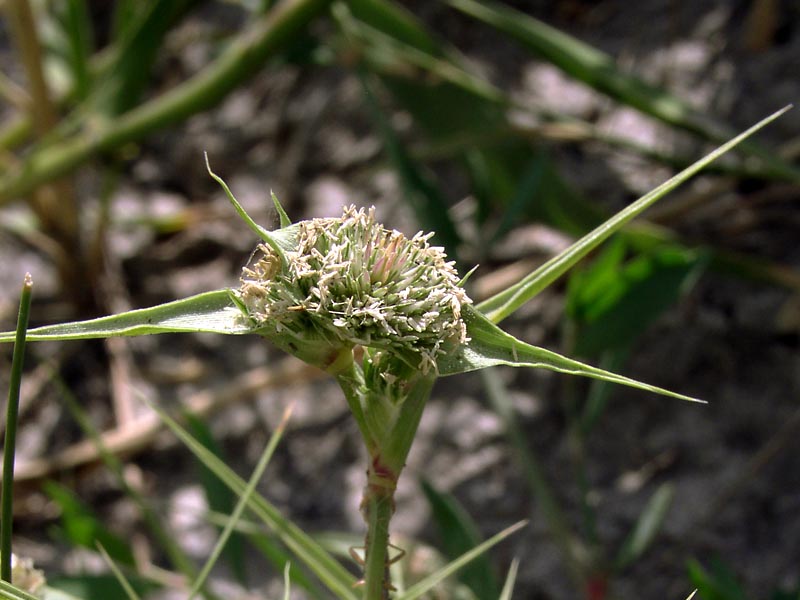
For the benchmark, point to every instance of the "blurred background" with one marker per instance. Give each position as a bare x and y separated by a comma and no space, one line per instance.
510,129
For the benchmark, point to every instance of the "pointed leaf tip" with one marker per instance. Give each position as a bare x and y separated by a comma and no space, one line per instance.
285,220
490,346
260,231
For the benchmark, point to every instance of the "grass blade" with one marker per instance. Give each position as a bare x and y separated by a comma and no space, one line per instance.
326,568
10,592
9,443
427,584
459,534
244,499
126,585
511,578
423,194
501,305
647,526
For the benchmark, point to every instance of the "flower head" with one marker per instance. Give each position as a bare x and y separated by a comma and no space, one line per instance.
351,282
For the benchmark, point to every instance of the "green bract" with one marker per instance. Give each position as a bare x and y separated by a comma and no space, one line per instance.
351,282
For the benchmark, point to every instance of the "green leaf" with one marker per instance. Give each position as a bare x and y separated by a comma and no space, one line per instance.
459,534
67,34
93,587
501,305
10,592
139,40
220,498
309,552
209,312
647,526
422,587
490,346
719,584
123,581
82,528
511,578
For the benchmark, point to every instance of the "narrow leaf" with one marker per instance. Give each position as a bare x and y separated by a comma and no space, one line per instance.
285,220
511,578
123,582
501,305
427,584
460,534
10,592
490,346
647,526
316,558
209,312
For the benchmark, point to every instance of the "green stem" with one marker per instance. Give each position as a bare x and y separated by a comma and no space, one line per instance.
6,502
378,506
242,59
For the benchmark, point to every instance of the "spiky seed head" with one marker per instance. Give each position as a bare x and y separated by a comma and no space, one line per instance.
351,282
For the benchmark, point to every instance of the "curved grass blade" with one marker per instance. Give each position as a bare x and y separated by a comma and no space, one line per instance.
490,346
329,571
501,305
424,586
244,499
209,312
458,535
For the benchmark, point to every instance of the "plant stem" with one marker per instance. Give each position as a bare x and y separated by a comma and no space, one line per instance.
378,506
6,502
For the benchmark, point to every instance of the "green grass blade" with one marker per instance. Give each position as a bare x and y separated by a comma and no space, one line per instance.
9,443
459,534
221,501
123,581
158,529
427,584
10,592
209,312
287,581
80,527
309,552
69,41
501,305
647,526
511,578
138,41
491,346
244,500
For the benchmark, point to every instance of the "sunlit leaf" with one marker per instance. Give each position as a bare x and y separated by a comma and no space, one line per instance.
491,346
209,312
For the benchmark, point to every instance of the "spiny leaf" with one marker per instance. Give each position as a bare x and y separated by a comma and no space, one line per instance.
490,346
